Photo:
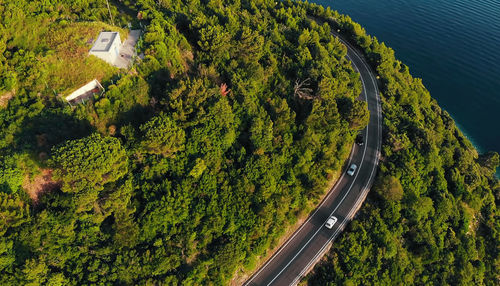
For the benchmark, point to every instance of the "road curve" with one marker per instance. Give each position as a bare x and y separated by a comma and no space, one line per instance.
304,248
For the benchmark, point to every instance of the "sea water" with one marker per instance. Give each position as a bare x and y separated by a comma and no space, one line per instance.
453,45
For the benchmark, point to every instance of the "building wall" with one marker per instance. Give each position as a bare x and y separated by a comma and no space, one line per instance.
113,52
84,90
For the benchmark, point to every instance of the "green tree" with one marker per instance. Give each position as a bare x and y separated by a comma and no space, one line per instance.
84,166
355,112
11,177
389,188
198,168
162,136
13,212
490,160
90,162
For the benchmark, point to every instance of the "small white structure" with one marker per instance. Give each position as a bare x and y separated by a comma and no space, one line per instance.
107,46
85,92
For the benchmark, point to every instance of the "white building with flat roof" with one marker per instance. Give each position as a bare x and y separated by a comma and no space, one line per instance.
107,46
85,92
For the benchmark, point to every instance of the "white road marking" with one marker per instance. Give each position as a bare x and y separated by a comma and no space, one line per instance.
300,228
359,200
317,209
365,188
345,195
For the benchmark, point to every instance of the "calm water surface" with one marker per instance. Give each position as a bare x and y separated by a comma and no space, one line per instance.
453,45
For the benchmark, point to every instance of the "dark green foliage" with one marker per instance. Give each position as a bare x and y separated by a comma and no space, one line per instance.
90,162
355,112
195,162
162,136
85,166
11,176
490,161
431,218
186,168
389,188
13,211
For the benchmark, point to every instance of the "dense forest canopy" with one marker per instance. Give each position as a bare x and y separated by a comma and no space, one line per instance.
195,161
191,164
431,216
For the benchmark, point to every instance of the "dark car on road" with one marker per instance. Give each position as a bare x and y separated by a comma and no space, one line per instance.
359,140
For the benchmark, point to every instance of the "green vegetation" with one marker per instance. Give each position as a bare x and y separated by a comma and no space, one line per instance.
193,164
431,218
43,51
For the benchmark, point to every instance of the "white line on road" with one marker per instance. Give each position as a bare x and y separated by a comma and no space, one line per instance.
302,226
343,198
359,200
365,188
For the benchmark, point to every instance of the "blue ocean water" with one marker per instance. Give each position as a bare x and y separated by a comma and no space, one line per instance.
453,45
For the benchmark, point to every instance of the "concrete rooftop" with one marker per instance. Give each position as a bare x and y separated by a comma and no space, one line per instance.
104,41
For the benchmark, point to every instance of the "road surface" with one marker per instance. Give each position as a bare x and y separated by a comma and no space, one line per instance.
308,244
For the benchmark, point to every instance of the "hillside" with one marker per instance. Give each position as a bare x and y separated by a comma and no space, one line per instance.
431,217
187,168
193,164
47,54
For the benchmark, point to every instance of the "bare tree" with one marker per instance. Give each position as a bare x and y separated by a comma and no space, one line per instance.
110,15
302,91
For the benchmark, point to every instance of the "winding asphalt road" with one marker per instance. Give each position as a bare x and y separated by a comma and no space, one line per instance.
308,244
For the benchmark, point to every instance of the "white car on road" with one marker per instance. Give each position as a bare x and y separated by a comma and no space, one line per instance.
330,222
352,169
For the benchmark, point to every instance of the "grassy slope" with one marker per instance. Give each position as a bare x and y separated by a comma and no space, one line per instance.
69,65
60,50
